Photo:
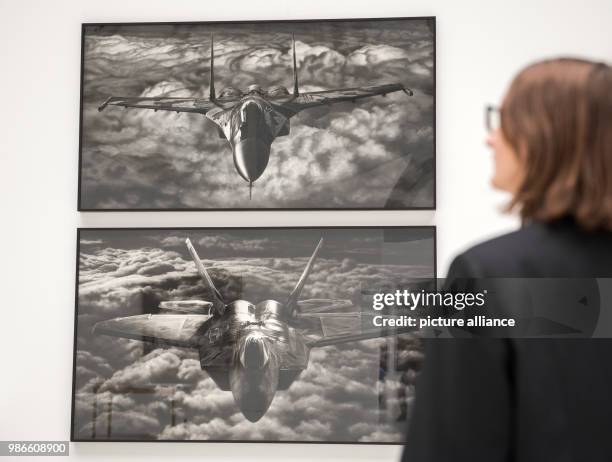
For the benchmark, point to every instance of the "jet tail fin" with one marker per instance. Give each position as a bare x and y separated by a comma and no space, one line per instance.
218,302
296,91
292,305
212,93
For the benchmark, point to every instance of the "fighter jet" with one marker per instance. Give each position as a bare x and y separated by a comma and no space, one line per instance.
252,350
251,120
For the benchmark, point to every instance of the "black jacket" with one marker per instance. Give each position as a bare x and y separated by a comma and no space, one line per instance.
539,400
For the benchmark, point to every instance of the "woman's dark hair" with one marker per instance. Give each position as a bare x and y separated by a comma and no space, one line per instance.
557,115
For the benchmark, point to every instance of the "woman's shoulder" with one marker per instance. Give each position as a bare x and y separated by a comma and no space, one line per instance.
538,250
493,257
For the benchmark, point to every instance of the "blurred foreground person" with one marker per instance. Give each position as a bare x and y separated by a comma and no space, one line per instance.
505,399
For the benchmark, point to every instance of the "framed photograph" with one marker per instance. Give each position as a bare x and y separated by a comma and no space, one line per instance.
244,334
289,115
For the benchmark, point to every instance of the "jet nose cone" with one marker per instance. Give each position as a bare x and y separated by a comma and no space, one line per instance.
251,157
254,375
253,414
254,392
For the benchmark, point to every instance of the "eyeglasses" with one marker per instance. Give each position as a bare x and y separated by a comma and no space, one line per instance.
492,118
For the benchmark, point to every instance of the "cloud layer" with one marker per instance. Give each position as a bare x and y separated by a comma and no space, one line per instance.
375,154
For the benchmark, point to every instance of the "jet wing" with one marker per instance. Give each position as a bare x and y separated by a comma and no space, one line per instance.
322,305
177,330
315,316
366,334
323,329
327,97
325,325
163,103
186,306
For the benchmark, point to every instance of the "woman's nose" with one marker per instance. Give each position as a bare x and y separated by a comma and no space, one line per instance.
490,138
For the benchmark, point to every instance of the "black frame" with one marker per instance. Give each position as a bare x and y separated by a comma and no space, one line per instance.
219,228
192,23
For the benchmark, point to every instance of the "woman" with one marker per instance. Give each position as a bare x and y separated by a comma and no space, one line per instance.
486,399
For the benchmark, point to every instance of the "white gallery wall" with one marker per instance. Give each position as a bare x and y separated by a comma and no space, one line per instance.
480,45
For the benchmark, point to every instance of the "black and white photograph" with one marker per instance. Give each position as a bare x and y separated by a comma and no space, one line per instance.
319,114
244,334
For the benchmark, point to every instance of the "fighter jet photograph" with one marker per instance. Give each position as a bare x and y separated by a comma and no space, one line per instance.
353,130
268,341
250,120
